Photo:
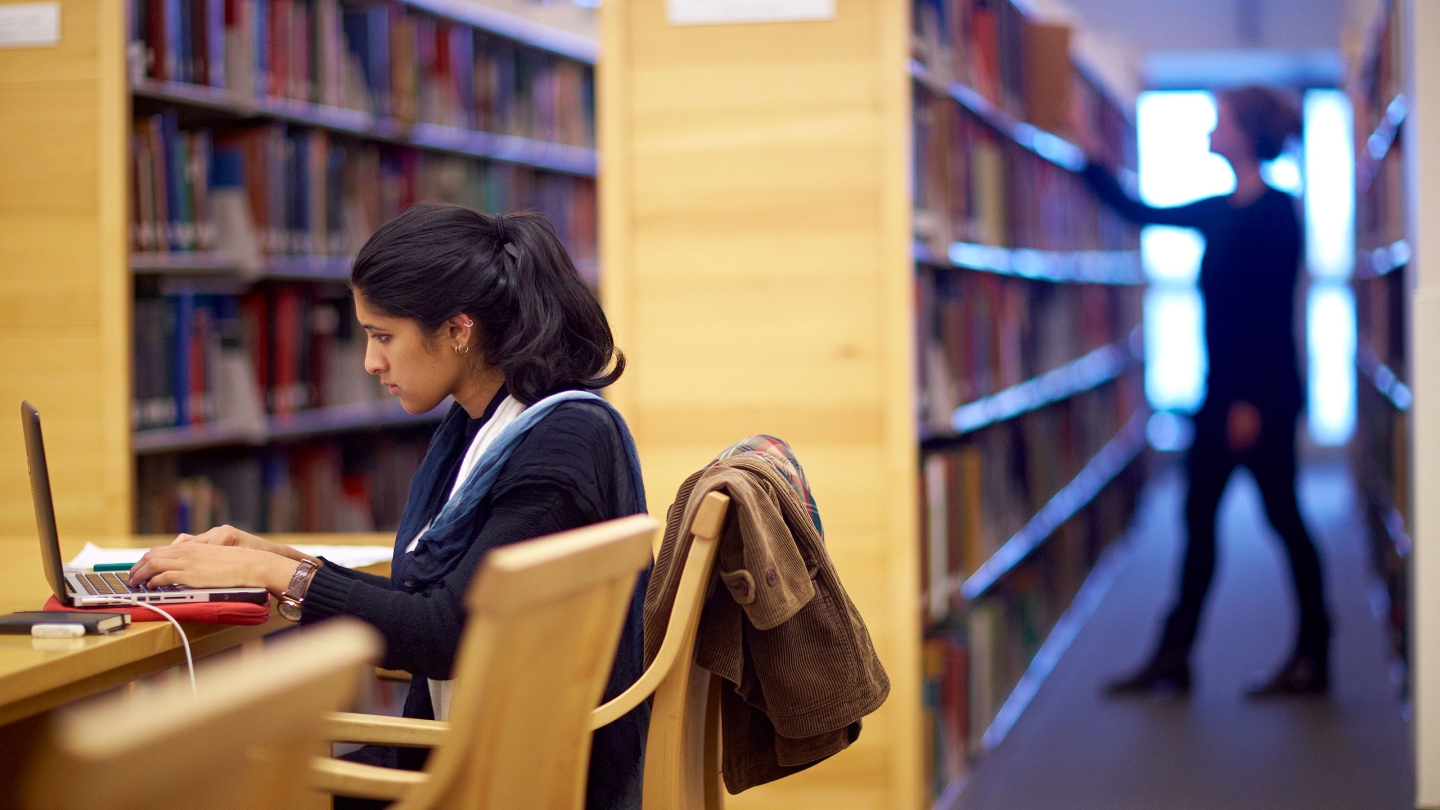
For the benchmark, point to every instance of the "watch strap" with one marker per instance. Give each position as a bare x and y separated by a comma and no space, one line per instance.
300,582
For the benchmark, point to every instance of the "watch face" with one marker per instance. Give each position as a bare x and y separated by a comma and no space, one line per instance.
288,609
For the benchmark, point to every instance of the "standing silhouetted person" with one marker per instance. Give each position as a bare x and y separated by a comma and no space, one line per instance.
1253,398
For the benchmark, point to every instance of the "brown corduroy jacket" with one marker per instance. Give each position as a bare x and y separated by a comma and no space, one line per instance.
800,667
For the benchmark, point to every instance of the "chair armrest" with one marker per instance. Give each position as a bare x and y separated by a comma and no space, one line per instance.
376,729
392,675
339,777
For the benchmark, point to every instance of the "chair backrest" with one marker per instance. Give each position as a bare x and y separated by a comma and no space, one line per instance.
242,742
682,751
545,621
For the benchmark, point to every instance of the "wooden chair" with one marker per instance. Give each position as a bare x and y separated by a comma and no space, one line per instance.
545,620
682,751
242,745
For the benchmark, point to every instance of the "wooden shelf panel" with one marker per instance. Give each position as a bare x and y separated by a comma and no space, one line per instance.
1385,380
569,44
216,263
1085,373
300,425
1383,260
220,263
556,157
1112,459
1113,267
1377,146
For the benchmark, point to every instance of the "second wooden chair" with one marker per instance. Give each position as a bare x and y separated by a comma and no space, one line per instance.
241,742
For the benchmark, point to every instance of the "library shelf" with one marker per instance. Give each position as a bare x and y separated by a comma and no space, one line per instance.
1394,523
299,425
569,44
1047,145
221,263
1092,591
1382,260
277,268
1386,381
1082,374
1378,144
1114,267
555,157
1113,458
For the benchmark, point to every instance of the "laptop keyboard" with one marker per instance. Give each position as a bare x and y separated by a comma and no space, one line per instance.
107,584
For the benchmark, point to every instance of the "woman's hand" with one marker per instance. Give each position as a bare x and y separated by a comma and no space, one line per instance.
208,565
231,536
1242,426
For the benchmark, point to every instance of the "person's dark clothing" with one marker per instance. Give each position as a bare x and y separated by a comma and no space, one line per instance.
1247,277
1272,462
571,470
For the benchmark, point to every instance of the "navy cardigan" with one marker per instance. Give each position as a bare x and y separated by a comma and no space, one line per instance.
569,471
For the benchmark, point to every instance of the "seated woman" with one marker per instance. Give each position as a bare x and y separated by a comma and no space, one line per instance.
489,311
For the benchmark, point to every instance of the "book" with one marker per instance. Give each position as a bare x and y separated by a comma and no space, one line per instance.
94,622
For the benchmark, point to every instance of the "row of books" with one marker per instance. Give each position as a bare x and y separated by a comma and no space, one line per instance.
978,43
284,189
381,58
972,663
976,496
980,333
973,185
336,485
277,349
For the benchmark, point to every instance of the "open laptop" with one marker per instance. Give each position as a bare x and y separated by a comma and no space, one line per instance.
106,589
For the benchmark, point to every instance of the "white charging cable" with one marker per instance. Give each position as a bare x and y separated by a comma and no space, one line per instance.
184,640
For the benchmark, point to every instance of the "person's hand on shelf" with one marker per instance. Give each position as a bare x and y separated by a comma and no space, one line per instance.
230,536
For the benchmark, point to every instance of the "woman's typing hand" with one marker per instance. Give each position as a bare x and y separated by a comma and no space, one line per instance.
213,565
230,536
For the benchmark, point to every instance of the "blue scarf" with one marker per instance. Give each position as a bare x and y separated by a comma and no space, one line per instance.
453,530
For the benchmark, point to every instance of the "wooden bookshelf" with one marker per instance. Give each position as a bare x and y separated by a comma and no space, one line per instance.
555,157
763,270
1381,449
76,279
64,116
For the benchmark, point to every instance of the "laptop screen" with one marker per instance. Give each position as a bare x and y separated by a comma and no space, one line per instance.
44,506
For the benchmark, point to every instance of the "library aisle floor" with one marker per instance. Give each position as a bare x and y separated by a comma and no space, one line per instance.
1074,749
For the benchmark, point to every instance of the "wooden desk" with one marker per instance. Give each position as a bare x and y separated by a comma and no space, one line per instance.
35,678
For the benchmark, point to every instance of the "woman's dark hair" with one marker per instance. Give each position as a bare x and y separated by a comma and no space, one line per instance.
1269,117
539,322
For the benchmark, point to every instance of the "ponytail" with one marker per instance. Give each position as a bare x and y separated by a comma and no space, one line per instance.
539,322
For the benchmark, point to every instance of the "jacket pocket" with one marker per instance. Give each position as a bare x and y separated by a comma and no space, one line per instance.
805,666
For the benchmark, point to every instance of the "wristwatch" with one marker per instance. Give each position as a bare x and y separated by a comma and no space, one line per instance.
292,601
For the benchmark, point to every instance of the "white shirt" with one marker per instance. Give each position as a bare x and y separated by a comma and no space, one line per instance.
507,411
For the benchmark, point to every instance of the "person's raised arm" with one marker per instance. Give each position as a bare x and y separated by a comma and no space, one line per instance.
1103,183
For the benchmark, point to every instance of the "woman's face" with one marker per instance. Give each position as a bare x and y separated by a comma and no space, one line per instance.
419,369
1227,139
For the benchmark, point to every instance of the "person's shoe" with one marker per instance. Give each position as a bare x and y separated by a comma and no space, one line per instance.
1303,675
1162,676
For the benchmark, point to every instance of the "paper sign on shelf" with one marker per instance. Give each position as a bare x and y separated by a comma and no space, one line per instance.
715,12
29,24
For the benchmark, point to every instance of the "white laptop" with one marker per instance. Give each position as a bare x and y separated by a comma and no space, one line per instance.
84,589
